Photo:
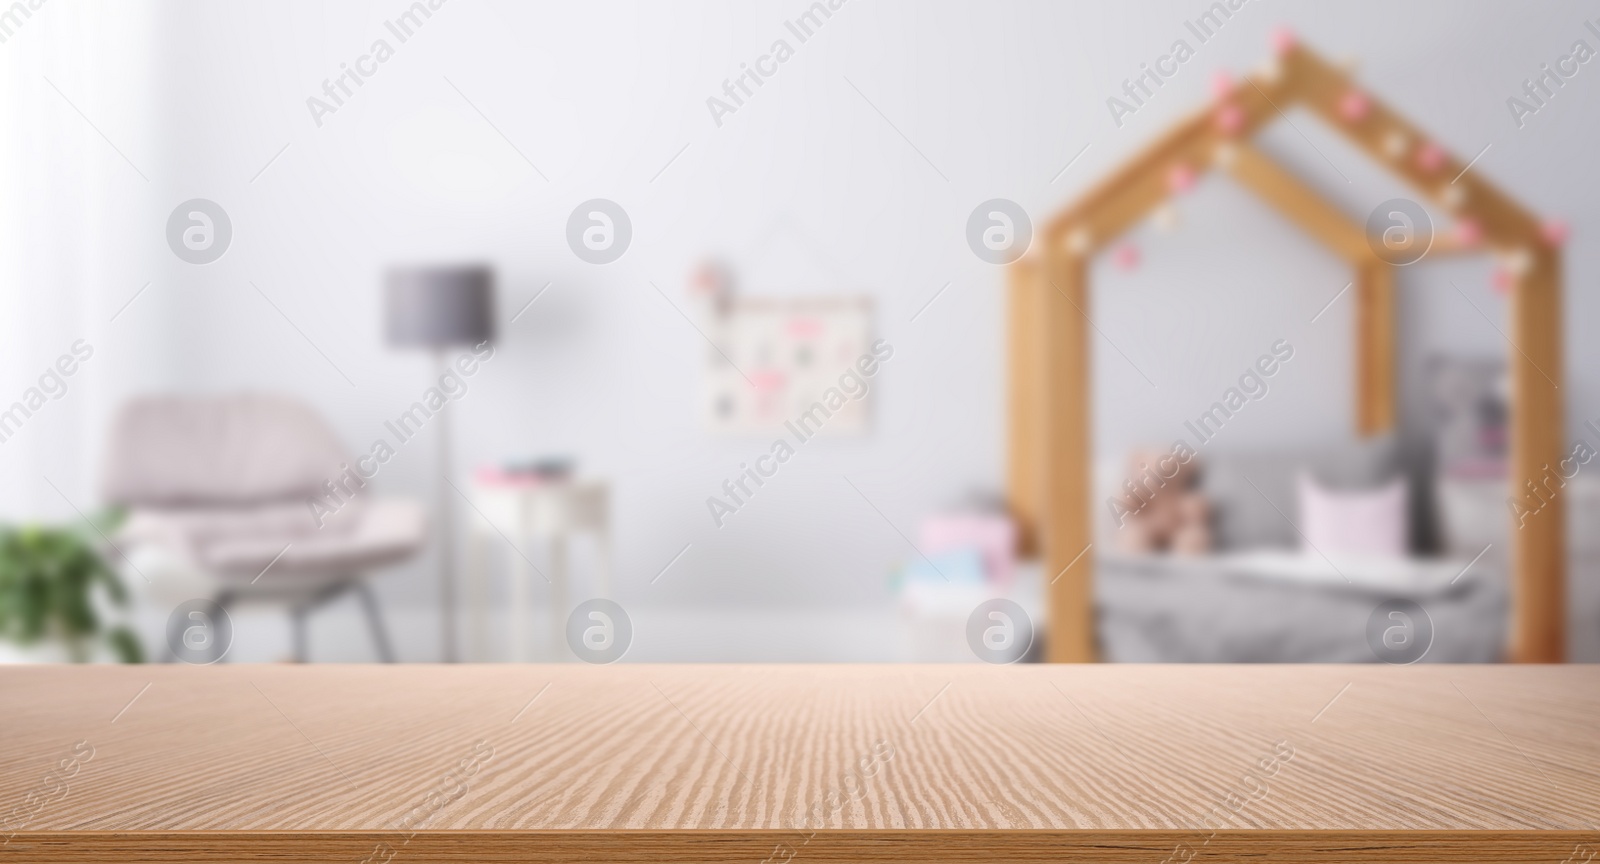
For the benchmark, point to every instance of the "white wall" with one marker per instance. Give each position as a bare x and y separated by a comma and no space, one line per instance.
807,188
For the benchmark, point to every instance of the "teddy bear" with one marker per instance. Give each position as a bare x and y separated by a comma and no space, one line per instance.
1160,508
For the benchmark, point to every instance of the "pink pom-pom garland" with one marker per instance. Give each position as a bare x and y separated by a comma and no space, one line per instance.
1180,179
1430,157
1503,280
1221,84
1354,106
1283,40
1555,232
1126,257
1230,118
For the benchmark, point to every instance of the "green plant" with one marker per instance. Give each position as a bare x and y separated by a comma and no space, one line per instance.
48,582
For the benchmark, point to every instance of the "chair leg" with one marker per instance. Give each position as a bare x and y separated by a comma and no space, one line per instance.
297,622
224,599
380,637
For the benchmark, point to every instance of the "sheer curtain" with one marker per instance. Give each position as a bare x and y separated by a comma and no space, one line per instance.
80,230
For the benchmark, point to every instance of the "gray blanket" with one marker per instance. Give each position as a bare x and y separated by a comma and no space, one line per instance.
1165,609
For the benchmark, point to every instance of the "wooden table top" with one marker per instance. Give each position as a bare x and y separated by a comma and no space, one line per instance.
770,764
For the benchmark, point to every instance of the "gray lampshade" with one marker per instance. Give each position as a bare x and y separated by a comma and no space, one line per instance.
437,307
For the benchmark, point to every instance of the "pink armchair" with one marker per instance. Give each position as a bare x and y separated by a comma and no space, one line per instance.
223,484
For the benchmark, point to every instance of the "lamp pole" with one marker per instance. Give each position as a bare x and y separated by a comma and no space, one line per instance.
447,557
441,308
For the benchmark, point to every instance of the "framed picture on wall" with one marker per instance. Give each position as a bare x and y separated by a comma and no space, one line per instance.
785,353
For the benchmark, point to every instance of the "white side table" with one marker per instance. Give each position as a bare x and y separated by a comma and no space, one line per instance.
550,512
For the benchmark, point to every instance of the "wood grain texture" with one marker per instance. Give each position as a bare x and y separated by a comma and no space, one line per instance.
1025,398
684,763
1068,484
1314,214
1376,334
1538,429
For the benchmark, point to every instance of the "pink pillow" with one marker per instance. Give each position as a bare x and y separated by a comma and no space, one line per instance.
993,535
1368,522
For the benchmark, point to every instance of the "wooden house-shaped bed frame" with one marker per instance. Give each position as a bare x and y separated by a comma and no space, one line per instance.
1050,464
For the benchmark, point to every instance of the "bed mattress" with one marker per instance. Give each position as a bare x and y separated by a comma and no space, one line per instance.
1281,606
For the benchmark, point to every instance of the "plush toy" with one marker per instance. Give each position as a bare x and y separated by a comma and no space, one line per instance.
1159,507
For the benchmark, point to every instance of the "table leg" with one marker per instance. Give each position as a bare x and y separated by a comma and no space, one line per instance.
558,598
477,598
521,595
602,561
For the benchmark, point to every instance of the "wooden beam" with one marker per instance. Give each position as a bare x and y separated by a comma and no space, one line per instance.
1025,401
1321,87
1068,399
1375,326
1538,539
1173,144
1323,221
1375,348
1141,184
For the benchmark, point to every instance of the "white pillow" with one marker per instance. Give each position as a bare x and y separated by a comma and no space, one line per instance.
1371,523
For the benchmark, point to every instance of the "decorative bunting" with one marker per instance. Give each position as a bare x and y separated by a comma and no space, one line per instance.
1354,106
1126,257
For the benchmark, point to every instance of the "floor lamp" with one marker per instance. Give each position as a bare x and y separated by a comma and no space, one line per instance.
439,308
